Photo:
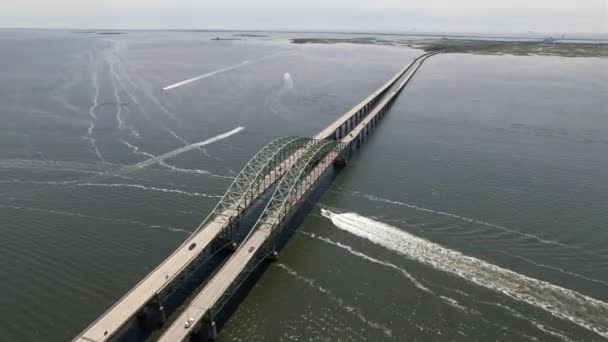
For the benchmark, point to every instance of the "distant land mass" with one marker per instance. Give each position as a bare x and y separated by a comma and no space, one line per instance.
545,47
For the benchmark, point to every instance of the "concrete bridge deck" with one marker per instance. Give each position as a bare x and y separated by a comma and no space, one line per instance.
163,275
208,297
349,128
235,266
364,105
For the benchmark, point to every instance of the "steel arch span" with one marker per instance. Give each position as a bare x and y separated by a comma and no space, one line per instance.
265,167
292,187
293,184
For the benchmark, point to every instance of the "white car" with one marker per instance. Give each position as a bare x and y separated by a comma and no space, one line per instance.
189,323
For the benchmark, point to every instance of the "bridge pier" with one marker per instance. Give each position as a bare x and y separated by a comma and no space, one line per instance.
340,163
213,331
274,256
208,330
163,314
161,309
231,247
144,303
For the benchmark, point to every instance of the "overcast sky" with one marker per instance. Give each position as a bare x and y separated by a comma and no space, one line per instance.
389,15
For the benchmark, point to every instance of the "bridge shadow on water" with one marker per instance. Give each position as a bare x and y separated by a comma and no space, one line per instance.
293,223
148,325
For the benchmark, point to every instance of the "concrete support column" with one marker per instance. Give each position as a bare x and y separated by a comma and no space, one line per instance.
161,309
163,314
274,256
212,331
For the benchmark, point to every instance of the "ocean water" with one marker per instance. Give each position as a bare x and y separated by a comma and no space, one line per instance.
476,210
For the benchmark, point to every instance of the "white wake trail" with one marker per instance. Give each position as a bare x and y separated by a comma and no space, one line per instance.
462,218
135,149
178,169
179,151
113,78
99,218
123,71
311,282
287,81
219,71
114,62
554,268
352,251
587,312
150,188
18,181
449,301
61,93
95,82
92,114
209,74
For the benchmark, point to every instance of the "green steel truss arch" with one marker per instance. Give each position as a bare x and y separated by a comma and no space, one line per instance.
288,192
292,186
264,168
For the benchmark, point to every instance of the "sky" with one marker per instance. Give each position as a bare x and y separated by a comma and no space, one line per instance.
491,16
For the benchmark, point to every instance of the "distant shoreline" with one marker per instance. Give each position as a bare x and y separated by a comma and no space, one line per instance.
546,47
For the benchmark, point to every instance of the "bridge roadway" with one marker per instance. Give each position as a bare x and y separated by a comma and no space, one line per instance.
231,270
359,110
154,283
209,296
145,292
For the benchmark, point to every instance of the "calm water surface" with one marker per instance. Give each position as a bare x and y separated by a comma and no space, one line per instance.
476,211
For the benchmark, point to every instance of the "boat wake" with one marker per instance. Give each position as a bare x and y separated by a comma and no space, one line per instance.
587,312
209,74
149,188
97,218
356,311
171,154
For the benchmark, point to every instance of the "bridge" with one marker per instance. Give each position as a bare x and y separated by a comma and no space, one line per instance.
281,176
